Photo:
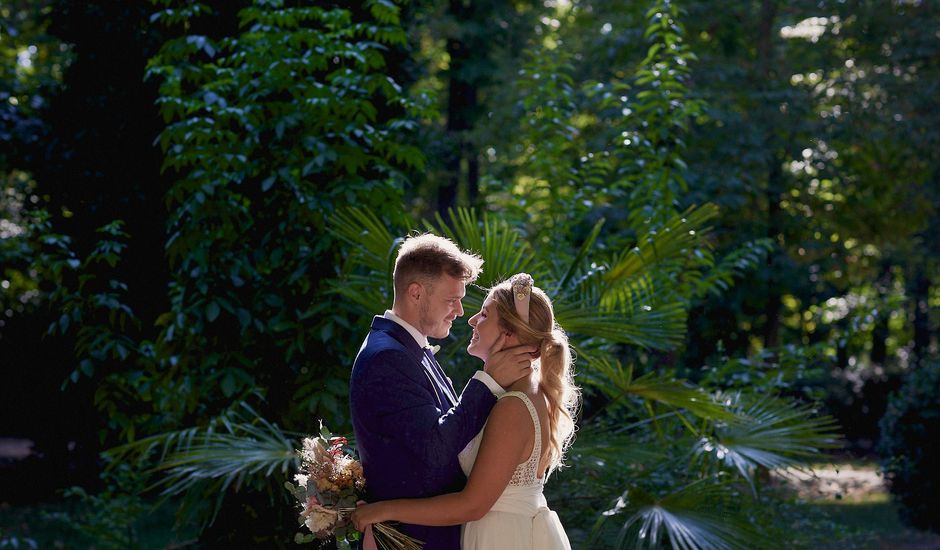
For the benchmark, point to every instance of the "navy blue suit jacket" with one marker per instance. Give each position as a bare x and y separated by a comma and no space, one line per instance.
408,430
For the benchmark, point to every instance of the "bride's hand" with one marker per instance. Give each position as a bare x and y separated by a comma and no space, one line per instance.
368,514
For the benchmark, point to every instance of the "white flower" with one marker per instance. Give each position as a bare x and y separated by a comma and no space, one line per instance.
314,452
320,519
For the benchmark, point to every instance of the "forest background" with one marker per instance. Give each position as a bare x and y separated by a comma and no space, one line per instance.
733,204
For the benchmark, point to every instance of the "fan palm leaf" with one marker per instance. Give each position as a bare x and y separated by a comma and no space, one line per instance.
576,263
767,432
237,447
373,249
365,291
679,234
721,277
660,327
499,244
367,278
629,301
641,320
617,382
228,457
367,237
602,446
638,265
688,518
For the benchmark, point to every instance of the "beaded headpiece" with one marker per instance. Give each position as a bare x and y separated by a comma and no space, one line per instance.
521,292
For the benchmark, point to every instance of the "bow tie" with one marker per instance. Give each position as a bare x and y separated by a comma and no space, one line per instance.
433,349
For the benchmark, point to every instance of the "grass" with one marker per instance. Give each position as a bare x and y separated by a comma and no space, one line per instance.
877,516
874,513
866,516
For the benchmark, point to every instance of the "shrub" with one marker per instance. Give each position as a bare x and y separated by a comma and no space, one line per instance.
907,447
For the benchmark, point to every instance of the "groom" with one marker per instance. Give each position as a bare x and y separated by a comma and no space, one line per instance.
409,422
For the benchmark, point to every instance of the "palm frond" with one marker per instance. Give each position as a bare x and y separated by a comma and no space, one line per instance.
631,297
363,290
228,457
586,246
692,517
679,393
367,237
236,447
656,327
767,432
617,382
464,229
367,280
640,278
602,447
678,237
609,375
734,264
498,243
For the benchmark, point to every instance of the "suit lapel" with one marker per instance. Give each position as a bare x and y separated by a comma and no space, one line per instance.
442,379
398,332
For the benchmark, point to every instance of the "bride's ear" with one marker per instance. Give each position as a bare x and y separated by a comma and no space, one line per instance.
511,339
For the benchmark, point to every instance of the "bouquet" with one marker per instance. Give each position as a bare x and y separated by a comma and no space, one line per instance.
328,486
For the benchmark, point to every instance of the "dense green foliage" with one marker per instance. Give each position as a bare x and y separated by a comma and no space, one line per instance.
908,447
270,130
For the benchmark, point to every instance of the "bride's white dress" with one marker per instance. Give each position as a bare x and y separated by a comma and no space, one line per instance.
520,518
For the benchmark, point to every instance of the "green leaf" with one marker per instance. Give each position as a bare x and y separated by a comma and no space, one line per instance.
228,385
87,367
212,311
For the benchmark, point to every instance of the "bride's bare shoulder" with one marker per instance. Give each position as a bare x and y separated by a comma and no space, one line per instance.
512,408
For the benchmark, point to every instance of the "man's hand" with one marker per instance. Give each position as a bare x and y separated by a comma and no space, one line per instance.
506,366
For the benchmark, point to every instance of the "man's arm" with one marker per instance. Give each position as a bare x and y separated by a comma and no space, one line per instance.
501,451
402,404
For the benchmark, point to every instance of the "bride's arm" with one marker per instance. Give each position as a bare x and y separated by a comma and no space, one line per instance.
503,448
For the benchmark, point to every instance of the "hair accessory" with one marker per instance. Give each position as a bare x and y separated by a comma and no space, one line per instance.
521,292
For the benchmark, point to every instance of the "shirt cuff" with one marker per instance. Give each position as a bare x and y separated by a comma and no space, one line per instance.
495,388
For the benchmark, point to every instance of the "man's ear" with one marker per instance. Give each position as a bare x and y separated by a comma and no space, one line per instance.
415,291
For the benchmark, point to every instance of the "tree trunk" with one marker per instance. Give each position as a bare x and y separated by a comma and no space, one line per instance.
765,32
879,340
462,103
879,333
772,307
920,295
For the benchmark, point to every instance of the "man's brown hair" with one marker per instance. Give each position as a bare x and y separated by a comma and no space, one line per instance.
424,258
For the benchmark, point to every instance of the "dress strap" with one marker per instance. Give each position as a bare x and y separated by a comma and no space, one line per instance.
536,455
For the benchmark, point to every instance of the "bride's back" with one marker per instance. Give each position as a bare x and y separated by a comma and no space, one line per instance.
529,386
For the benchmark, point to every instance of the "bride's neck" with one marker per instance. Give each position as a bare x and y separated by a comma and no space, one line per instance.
526,384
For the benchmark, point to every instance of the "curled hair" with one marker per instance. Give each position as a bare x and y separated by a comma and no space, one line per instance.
424,258
554,361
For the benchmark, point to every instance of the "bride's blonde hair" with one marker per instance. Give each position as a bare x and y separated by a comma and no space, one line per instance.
554,361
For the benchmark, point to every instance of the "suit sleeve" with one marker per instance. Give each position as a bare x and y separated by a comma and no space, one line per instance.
402,405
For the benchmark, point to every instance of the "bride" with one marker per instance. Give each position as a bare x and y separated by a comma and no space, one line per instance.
523,441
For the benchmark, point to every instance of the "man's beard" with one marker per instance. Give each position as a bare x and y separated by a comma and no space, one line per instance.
427,325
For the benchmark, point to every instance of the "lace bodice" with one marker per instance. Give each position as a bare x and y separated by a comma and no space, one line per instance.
526,474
